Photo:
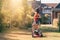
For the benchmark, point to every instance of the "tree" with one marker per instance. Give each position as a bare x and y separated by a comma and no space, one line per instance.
59,23
1,17
26,11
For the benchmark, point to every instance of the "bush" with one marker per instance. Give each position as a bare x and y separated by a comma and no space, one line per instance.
1,24
29,25
1,28
59,24
44,20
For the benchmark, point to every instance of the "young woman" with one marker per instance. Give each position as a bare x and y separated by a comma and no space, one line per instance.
36,19
35,26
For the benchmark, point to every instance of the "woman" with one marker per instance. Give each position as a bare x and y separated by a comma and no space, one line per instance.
35,26
36,22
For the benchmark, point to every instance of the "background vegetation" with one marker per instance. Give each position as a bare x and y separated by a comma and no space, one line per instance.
13,15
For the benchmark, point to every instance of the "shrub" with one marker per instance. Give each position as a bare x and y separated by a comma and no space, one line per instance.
1,24
44,20
59,24
29,25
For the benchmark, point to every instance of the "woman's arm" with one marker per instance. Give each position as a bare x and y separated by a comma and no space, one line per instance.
39,16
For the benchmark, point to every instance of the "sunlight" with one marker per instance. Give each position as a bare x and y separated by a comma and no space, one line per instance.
15,6
15,3
16,13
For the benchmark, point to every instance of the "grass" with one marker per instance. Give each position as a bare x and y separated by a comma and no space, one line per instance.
22,34
49,29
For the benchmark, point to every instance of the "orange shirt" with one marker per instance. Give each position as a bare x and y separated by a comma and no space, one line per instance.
36,17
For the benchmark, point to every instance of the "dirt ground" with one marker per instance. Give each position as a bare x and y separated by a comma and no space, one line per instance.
21,35
49,33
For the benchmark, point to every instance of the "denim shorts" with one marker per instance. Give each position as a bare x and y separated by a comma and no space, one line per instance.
37,22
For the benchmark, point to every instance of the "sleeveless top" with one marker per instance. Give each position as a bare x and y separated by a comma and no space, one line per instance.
36,17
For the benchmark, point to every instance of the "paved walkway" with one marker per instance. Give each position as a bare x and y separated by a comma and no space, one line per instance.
48,25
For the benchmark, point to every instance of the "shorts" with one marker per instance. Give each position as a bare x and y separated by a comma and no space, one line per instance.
37,22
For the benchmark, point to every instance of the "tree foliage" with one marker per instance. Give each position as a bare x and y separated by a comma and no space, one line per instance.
1,18
15,17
